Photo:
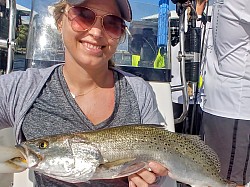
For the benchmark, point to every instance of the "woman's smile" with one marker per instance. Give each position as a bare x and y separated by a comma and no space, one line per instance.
93,48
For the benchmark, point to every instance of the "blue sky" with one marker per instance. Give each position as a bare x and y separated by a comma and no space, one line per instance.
26,3
140,8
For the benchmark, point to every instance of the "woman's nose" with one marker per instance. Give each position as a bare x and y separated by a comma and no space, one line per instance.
97,29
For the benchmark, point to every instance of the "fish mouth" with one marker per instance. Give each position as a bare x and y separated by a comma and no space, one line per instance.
9,157
29,160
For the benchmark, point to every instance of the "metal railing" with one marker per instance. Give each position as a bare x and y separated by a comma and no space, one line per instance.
9,44
183,86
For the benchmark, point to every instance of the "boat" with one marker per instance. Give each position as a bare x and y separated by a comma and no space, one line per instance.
45,48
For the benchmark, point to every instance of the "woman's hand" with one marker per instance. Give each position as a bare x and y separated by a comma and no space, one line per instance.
145,177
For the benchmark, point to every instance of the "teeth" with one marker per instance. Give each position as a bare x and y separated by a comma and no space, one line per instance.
90,46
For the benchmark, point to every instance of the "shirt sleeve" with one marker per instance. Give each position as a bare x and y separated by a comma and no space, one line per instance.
146,98
5,88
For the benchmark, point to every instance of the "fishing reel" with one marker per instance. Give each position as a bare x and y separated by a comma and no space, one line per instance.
191,38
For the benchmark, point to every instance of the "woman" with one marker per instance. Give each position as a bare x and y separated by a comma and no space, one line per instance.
87,92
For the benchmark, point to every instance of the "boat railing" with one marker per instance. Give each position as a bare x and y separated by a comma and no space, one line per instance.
9,43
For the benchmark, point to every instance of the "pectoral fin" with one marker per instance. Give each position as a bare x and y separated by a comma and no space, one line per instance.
119,168
131,169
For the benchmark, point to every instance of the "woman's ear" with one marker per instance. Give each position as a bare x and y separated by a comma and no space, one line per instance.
59,26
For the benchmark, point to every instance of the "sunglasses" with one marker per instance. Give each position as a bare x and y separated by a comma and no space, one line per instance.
83,19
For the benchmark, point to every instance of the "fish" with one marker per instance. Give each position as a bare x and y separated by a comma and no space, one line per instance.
121,151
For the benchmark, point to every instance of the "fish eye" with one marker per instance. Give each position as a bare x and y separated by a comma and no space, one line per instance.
43,144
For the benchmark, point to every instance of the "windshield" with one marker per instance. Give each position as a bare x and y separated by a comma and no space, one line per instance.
140,46
45,47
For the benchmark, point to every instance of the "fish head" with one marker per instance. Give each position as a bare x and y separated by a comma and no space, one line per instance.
37,151
65,158
30,155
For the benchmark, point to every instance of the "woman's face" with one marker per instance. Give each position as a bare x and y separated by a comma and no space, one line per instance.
93,47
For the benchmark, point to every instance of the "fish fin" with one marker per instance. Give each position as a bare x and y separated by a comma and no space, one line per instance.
119,168
160,126
131,169
192,137
109,165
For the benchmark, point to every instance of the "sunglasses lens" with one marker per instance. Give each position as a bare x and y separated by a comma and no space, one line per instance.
81,18
114,26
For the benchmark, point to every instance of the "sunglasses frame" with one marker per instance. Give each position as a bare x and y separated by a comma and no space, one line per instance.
66,12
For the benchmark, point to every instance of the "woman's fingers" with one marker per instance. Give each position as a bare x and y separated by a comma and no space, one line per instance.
142,179
146,177
158,169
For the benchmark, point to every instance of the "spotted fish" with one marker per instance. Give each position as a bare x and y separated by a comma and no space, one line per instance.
121,151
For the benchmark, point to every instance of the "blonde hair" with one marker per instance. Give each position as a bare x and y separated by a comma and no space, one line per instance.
59,8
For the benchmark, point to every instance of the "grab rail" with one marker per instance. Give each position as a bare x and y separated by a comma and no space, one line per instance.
183,86
10,41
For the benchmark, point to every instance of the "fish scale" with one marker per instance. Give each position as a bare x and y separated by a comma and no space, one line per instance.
156,139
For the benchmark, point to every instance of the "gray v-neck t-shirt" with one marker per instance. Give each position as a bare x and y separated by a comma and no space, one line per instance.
55,112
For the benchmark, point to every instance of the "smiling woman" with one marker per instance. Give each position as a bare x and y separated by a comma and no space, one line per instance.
86,92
